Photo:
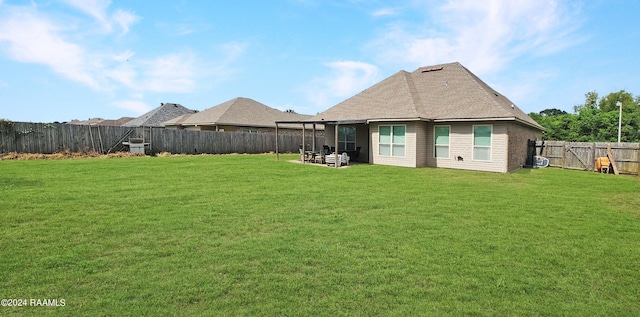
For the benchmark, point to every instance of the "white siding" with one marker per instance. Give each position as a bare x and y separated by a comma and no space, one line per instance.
461,145
409,159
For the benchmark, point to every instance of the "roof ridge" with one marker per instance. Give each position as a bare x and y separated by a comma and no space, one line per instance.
418,106
509,106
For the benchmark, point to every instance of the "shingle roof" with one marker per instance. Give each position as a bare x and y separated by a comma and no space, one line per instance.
157,116
238,112
440,93
90,121
117,122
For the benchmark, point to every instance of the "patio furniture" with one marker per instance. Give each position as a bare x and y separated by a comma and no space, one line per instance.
318,158
353,154
305,155
343,159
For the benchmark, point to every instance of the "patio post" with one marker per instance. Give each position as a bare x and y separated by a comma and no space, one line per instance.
277,152
313,142
337,164
304,127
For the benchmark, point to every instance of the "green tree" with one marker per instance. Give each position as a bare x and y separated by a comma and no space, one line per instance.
552,112
598,118
594,121
609,103
556,122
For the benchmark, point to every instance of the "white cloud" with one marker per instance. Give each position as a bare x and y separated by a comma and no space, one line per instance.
31,38
349,77
135,106
170,73
97,9
124,74
124,56
483,35
385,12
345,79
94,8
233,50
124,19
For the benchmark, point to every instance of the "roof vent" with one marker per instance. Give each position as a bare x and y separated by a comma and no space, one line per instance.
432,69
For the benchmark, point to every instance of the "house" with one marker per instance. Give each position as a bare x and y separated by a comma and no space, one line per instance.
117,122
238,115
157,116
90,121
101,122
438,116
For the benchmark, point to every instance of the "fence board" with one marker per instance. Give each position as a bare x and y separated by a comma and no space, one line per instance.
46,138
582,155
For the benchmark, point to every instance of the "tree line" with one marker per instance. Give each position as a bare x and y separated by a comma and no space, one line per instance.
594,121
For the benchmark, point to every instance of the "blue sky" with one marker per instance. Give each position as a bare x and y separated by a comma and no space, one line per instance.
78,59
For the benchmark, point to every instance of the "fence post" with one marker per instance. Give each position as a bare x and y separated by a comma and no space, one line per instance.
638,158
593,161
563,155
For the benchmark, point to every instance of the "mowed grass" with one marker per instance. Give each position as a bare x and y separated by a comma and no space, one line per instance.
248,235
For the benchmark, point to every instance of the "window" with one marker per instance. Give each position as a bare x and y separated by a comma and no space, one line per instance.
441,135
482,142
346,139
391,140
249,131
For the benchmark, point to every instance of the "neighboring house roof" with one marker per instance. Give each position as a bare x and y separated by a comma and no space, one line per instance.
157,116
117,122
446,92
238,112
91,121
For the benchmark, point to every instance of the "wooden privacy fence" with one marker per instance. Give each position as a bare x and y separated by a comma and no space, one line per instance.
583,155
49,138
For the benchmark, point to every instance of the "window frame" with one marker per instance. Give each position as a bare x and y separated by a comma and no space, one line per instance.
474,146
249,131
346,141
391,143
435,144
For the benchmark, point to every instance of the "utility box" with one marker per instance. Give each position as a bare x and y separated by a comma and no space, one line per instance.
136,145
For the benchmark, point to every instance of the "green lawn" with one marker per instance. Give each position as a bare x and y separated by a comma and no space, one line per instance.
248,235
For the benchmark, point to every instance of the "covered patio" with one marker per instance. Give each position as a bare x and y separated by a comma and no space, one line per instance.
341,136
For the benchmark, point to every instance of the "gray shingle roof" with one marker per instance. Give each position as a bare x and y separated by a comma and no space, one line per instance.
238,112
445,92
157,116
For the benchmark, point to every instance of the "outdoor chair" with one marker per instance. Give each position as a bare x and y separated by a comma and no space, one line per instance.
319,158
305,156
343,159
